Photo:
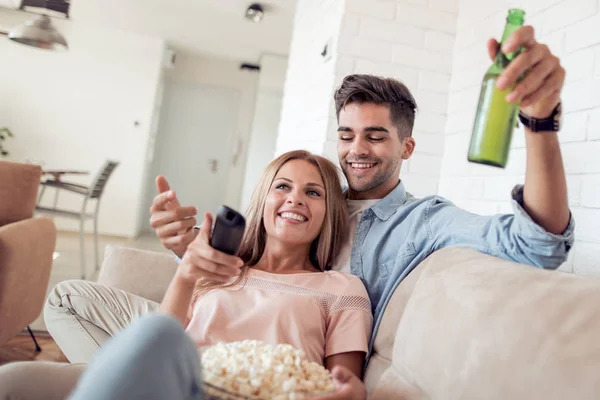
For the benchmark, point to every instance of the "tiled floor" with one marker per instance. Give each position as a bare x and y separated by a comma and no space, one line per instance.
67,263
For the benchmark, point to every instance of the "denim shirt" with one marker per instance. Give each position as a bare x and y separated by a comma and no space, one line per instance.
398,232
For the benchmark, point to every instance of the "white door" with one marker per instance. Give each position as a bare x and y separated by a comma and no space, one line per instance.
193,146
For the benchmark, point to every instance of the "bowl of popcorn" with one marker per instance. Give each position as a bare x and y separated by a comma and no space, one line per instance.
252,369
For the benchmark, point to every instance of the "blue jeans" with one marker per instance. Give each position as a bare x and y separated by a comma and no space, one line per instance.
152,359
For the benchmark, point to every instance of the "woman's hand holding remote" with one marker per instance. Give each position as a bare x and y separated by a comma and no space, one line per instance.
201,261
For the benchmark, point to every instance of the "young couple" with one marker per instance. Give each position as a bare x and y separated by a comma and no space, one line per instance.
299,229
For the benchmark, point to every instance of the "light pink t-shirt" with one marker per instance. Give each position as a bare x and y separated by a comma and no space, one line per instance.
322,313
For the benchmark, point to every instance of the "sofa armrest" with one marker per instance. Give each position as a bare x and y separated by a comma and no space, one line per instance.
140,272
26,249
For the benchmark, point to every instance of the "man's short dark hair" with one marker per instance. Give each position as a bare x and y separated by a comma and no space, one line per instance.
360,89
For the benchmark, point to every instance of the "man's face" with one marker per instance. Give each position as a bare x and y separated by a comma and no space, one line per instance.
370,150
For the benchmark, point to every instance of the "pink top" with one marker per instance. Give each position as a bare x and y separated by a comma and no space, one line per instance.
322,313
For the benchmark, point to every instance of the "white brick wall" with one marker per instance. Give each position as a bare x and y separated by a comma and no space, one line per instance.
574,190
439,41
309,81
361,47
409,76
384,10
593,130
430,143
566,13
499,187
434,82
597,70
392,31
420,184
427,60
443,5
424,164
571,30
580,65
581,158
556,42
430,122
584,34
436,103
586,260
575,127
586,228
581,95
590,191
429,18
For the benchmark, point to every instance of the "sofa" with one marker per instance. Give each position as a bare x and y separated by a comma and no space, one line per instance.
26,247
462,325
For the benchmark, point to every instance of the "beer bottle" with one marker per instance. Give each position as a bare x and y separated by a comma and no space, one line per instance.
495,117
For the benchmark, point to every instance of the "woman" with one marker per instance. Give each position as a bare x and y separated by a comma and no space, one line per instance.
279,290
296,223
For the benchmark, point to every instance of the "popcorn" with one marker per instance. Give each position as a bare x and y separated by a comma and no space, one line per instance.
257,370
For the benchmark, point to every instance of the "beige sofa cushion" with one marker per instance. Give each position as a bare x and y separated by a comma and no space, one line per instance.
386,335
141,272
477,327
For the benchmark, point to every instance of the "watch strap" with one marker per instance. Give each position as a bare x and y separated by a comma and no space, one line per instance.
551,123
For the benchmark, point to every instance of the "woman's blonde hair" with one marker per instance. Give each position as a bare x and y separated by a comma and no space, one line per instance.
326,245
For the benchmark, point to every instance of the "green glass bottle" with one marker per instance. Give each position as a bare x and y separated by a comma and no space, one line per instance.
496,118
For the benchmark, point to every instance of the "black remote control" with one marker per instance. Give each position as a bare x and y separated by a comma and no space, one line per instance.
228,230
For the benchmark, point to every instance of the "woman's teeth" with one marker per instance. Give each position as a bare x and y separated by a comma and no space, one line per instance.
293,216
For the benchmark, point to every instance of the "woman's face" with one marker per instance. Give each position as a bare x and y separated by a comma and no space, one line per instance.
295,205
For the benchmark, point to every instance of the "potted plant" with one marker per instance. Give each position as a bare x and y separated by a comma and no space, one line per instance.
4,134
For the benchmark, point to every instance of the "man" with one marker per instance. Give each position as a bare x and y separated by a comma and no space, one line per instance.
392,231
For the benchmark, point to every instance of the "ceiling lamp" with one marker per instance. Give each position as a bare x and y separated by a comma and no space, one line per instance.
255,12
39,33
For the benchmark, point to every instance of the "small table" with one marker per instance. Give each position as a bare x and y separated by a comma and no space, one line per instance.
58,173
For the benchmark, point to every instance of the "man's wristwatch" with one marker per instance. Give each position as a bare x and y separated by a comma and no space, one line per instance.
550,124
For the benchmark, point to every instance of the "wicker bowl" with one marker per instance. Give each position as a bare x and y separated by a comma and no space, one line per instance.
213,392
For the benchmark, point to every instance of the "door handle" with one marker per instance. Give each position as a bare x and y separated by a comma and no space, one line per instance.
214,164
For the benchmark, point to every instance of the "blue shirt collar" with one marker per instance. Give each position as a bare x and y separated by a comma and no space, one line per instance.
387,206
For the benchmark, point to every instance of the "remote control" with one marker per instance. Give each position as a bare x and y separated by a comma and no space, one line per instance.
228,230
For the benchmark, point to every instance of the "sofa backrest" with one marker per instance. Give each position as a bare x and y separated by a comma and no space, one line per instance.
141,272
478,327
19,184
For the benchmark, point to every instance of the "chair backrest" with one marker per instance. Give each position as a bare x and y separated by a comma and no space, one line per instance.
100,182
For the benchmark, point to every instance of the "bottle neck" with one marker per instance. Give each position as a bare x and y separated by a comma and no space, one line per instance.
502,60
